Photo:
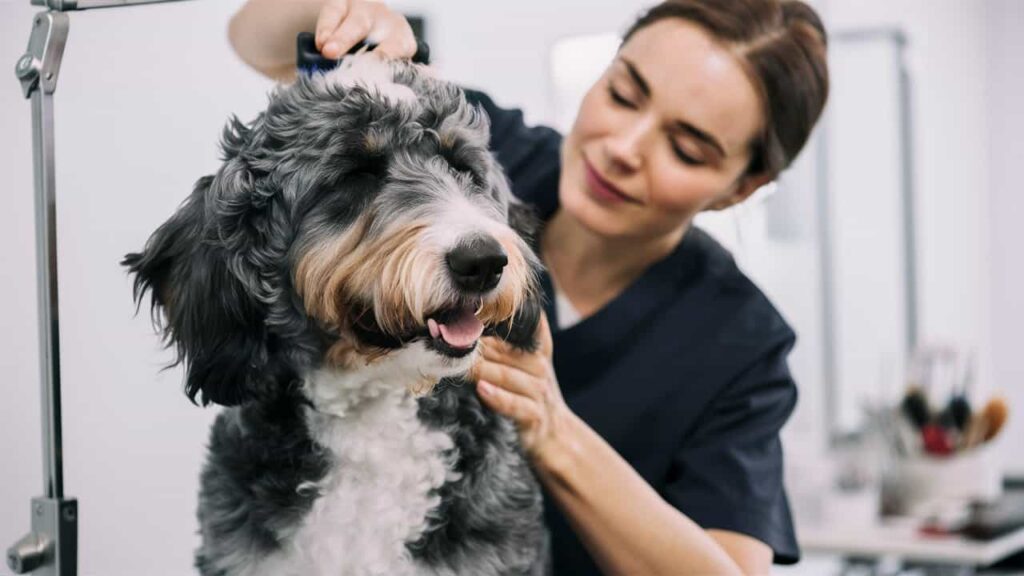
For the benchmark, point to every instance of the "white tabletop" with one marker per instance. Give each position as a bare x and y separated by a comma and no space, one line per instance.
901,538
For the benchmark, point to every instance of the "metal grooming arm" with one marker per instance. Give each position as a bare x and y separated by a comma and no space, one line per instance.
51,549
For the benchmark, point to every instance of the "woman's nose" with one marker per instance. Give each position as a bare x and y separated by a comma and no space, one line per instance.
625,149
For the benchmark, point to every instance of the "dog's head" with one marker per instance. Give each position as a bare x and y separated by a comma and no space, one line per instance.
359,220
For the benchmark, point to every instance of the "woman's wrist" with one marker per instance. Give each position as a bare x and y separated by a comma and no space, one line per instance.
563,450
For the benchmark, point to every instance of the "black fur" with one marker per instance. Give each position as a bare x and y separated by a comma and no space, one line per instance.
472,519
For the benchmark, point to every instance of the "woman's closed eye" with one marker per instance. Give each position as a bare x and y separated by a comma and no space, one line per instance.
619,99
686,157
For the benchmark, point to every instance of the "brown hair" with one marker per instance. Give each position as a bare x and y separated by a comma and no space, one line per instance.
782,45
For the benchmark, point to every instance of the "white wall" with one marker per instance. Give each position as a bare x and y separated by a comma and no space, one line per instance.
1005,262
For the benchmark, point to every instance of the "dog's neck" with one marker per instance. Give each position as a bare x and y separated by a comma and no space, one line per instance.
410,372
342,394
386,469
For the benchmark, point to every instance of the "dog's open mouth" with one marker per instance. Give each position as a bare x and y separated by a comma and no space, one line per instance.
451,332
455,331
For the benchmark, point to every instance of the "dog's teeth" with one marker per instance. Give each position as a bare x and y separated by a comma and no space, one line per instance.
479,308
432,326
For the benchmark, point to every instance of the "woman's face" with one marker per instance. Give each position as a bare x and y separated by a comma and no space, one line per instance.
664,134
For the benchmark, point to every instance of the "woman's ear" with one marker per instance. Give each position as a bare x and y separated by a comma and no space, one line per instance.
745,186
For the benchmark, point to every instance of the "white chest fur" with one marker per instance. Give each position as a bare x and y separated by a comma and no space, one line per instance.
381,489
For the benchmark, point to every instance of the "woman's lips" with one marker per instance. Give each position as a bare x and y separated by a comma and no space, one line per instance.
601,189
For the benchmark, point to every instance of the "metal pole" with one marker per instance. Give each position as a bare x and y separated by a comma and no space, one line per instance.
909,191
46,266
52,546
51,549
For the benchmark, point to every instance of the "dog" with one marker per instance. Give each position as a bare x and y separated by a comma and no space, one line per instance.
329,287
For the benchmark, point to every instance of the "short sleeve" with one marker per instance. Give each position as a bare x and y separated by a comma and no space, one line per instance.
728,474
529,155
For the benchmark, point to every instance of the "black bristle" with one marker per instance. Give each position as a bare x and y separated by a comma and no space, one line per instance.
915,407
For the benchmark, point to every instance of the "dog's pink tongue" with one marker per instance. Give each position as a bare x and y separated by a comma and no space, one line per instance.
463,332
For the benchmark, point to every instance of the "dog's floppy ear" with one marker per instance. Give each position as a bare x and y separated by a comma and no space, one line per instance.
524,221
521,330
197,269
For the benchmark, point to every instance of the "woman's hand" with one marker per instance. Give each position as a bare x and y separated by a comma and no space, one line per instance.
263,32
522,386
624,523
341,24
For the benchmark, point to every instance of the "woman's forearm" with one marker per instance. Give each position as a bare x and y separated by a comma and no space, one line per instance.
263,33
627,527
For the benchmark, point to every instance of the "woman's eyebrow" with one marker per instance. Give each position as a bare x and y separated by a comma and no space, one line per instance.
645,89
700,135
694,131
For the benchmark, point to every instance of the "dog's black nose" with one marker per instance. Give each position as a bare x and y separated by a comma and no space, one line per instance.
476,265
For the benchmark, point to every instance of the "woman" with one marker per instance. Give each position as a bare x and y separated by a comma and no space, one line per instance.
663,455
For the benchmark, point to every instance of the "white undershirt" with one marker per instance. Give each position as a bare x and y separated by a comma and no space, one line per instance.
566,312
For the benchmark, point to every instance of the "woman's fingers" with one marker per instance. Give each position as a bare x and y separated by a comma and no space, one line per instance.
500,352
543,335
398,41
522,386
519,408
354,27
507,378
344,23
330,17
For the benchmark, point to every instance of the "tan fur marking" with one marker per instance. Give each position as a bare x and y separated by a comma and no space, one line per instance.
400,280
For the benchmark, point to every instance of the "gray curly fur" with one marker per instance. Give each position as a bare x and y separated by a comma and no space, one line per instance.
219,273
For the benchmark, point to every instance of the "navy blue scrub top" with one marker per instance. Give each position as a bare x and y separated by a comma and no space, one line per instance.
684,373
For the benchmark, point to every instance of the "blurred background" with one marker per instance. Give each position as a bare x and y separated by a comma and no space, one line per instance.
889,246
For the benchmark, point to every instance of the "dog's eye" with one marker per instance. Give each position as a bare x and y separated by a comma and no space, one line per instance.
459,162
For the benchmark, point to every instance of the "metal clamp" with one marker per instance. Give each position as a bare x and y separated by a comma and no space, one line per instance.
42,59
52,546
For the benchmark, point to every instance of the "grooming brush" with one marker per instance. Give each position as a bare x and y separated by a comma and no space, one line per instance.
309,59
959,411
957,416
976,429
937,440
960,407
995,412
915,408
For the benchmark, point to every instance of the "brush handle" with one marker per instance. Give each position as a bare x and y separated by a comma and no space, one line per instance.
310,60
977,428
996,412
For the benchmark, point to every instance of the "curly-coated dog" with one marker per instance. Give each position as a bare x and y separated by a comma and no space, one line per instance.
329,286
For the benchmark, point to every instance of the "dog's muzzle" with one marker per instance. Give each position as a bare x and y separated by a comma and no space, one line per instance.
475,267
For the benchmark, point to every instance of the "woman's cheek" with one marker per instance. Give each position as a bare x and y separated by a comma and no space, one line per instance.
685,193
